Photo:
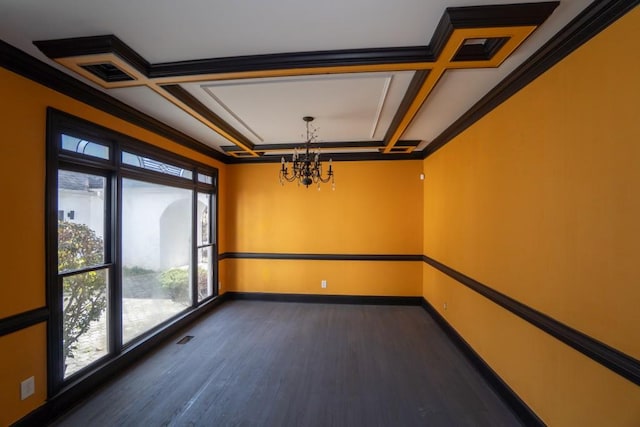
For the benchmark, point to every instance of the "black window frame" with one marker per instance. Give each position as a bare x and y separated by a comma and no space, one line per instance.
57,158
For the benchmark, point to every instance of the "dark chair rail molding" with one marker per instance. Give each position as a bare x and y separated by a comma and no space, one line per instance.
318,257
23,320
617,361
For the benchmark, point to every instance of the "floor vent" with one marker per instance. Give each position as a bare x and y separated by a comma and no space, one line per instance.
185,339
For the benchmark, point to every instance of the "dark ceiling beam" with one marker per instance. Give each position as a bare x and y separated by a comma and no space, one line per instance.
192,102
453,18
504,15
595,18
93,45
80,46
321,145
296,60
416,83
335,156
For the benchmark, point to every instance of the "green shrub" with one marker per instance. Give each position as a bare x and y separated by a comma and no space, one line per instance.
136,271
176,283
202,283
84,295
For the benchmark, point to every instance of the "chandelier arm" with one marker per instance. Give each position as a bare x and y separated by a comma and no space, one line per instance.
284,174
325,180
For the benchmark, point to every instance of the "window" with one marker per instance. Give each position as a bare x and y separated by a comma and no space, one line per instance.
156,254
205,178
131,244
155,165
83,268
205,246
88,148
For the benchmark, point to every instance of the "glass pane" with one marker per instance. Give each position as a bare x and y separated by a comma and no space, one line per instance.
81,220
205,273
84,328
205,178
156,254
78,145
155,165
204,229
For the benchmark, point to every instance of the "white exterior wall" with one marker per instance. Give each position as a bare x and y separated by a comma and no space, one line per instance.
156,223
88,208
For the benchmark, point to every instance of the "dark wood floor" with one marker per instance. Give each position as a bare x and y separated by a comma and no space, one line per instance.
254,363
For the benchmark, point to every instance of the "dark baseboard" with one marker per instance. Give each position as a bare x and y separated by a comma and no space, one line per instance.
517,405
70,396
324,299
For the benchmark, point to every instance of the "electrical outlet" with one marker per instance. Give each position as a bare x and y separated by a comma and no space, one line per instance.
27,388
323,284
445,306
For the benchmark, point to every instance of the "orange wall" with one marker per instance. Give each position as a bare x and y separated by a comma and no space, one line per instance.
539,200
22,356
375,209
22,260
383,278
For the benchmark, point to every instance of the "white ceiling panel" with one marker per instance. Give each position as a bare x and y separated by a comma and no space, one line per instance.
166,30
144,99
347,107
444,104
459,90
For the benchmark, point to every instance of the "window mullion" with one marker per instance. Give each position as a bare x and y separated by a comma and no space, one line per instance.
195,276
115,329
64,274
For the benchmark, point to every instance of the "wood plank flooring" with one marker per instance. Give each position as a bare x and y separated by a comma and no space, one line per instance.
256,363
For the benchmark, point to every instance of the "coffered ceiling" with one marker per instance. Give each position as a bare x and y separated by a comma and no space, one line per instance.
381,78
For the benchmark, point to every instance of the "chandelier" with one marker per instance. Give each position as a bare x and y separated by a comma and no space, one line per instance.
306,167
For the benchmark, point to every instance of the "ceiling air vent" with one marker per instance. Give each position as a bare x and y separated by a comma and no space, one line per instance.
479,49
108,72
